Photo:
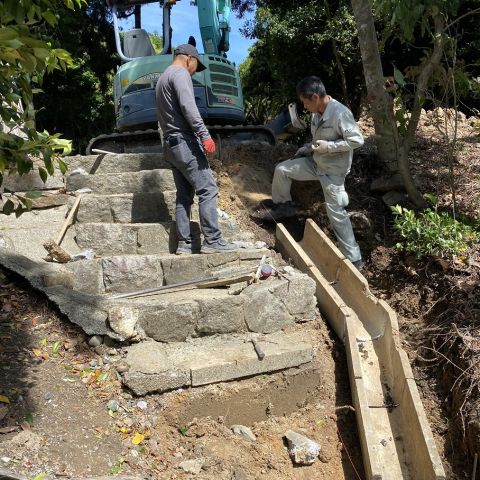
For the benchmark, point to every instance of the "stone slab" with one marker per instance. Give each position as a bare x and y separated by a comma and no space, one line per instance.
129,182
32,181
159,367
129,208
144,238
116,163
26,234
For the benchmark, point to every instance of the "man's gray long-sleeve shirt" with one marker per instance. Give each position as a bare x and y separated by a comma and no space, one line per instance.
176,108
338,127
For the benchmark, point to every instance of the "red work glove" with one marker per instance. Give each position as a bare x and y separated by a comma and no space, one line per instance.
209,145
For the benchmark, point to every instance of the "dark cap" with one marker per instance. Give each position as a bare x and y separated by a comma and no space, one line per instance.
187,49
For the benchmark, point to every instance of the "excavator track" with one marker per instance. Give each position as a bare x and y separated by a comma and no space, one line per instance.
148,141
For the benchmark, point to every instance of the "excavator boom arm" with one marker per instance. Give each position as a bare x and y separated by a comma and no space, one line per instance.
213,20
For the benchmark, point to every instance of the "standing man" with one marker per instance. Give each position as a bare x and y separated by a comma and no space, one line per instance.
328,159
186,141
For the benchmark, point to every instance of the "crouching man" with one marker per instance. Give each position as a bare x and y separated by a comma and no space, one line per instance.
328,159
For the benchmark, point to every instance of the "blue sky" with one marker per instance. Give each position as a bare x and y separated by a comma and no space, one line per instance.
184,22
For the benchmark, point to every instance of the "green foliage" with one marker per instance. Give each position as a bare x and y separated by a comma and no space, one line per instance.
259,109
79,101
157,41
431,233
25,56
295,39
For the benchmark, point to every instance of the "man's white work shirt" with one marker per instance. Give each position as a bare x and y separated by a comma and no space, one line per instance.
337,126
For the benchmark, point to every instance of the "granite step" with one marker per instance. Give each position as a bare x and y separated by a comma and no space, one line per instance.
158,367
129,208
116,163
145,238
265,307
146,181
129,273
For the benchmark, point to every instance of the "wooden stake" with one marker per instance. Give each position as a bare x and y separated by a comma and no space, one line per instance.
72,212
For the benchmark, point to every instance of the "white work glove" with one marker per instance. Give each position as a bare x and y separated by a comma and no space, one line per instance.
304,151
320,146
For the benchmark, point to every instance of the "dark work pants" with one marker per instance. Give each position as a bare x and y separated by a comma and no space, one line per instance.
192,175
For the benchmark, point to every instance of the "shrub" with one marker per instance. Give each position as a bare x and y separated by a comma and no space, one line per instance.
429,233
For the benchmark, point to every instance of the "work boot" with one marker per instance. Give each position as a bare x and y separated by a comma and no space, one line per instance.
218,247
184,248
358,264
280,211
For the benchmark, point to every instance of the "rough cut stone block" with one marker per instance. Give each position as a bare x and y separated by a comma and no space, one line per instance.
156,238
116,163
87,276
152,370
127,208
222,315
171,321
298,296
265,312
116,183
32,181
131,273
159,367
103,238
231,360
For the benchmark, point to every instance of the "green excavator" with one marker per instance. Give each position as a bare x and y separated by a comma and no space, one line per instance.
218,92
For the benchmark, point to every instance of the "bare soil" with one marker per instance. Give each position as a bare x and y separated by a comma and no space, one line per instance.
55,388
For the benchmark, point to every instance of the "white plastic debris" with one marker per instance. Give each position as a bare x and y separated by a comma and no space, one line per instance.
142,405
78,171
222,214
84,190
250,245
87,254
289,270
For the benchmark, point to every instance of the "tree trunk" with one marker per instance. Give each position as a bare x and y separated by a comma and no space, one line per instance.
380,102
392,148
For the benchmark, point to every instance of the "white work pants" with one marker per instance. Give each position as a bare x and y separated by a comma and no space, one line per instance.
336,198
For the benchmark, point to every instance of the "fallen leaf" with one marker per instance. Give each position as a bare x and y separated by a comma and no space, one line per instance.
138,438
102,377
39,353
4,399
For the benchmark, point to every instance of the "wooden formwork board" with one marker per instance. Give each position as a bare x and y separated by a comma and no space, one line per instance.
396,439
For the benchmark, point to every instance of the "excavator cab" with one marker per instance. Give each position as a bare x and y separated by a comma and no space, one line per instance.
217,89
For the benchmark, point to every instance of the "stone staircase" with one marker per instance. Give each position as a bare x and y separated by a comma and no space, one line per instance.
187,337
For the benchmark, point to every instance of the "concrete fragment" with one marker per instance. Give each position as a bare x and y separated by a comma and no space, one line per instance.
123,319
87,311
302,450
192,466
244,432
